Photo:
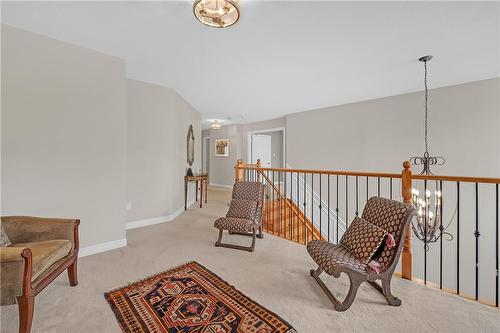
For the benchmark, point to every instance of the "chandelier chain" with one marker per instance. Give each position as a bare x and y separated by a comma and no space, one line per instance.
426,108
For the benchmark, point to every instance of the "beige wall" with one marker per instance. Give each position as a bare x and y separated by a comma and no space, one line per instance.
63,134
378,135
158,122
222,168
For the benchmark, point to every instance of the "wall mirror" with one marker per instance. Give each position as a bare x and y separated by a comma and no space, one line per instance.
190,146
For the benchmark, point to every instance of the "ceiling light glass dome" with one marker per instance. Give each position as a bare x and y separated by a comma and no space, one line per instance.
217,13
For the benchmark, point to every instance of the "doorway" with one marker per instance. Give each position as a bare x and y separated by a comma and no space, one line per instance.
262,149
268,146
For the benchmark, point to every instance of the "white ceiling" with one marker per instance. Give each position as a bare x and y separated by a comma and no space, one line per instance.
281,57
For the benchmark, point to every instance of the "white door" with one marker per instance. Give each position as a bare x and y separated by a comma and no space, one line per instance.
261,149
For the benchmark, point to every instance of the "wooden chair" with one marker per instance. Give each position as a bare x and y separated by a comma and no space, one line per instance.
334,259
245,214
40,250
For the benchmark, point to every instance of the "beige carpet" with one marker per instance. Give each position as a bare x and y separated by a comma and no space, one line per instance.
275,275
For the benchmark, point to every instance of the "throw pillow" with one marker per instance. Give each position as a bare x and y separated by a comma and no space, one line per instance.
4,238
363,239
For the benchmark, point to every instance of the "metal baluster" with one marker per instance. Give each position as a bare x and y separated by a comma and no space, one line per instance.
267,205
441,228
312,206
298,207
346,201
329,208
291,206
337,209
378,186
390,188
367,183
304,210
476,234
272,187
357,197
496,246
458,238
320,206
425,232
282,204
279,204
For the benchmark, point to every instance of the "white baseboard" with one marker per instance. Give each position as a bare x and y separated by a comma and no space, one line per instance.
155,220
220,185
102,247
116,244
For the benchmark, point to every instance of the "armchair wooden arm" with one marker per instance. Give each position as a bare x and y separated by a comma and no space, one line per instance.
17,282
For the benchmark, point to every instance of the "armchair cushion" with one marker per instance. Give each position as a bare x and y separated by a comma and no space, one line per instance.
244,209
235,224
329,256
4,238
46,253
363,239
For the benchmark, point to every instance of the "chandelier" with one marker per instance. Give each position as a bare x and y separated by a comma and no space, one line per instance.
428,219
217,13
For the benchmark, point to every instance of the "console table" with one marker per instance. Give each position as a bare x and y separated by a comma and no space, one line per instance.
201,180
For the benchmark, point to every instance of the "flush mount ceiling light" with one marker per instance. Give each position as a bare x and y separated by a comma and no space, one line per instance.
215,124
217,13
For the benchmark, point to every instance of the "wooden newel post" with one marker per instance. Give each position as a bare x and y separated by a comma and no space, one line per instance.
239,171
406,260
258,166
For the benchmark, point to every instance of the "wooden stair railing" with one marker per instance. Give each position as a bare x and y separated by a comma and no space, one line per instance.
479,208
282,217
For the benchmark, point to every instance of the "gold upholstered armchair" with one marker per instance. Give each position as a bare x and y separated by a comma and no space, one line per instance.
34,252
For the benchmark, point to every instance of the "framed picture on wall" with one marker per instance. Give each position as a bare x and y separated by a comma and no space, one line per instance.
221,147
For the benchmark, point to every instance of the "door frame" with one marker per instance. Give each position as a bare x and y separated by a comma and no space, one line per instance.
207,154
267,130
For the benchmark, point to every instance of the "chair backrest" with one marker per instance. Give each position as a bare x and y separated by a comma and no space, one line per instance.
250,191
393,216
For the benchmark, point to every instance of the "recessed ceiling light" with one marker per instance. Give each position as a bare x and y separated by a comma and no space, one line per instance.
215,124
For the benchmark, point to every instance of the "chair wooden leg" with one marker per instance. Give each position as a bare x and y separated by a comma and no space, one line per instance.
218,242
26,305
391,299
353,289
252,247
338,305
237,247
385,290
260,234
73,273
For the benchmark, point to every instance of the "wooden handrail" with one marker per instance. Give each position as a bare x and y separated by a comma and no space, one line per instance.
488,180
458,179
327,172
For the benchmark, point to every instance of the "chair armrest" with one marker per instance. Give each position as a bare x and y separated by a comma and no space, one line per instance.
15,273
11,254
22,229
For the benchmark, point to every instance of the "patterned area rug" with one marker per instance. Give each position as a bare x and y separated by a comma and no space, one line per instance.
187,299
